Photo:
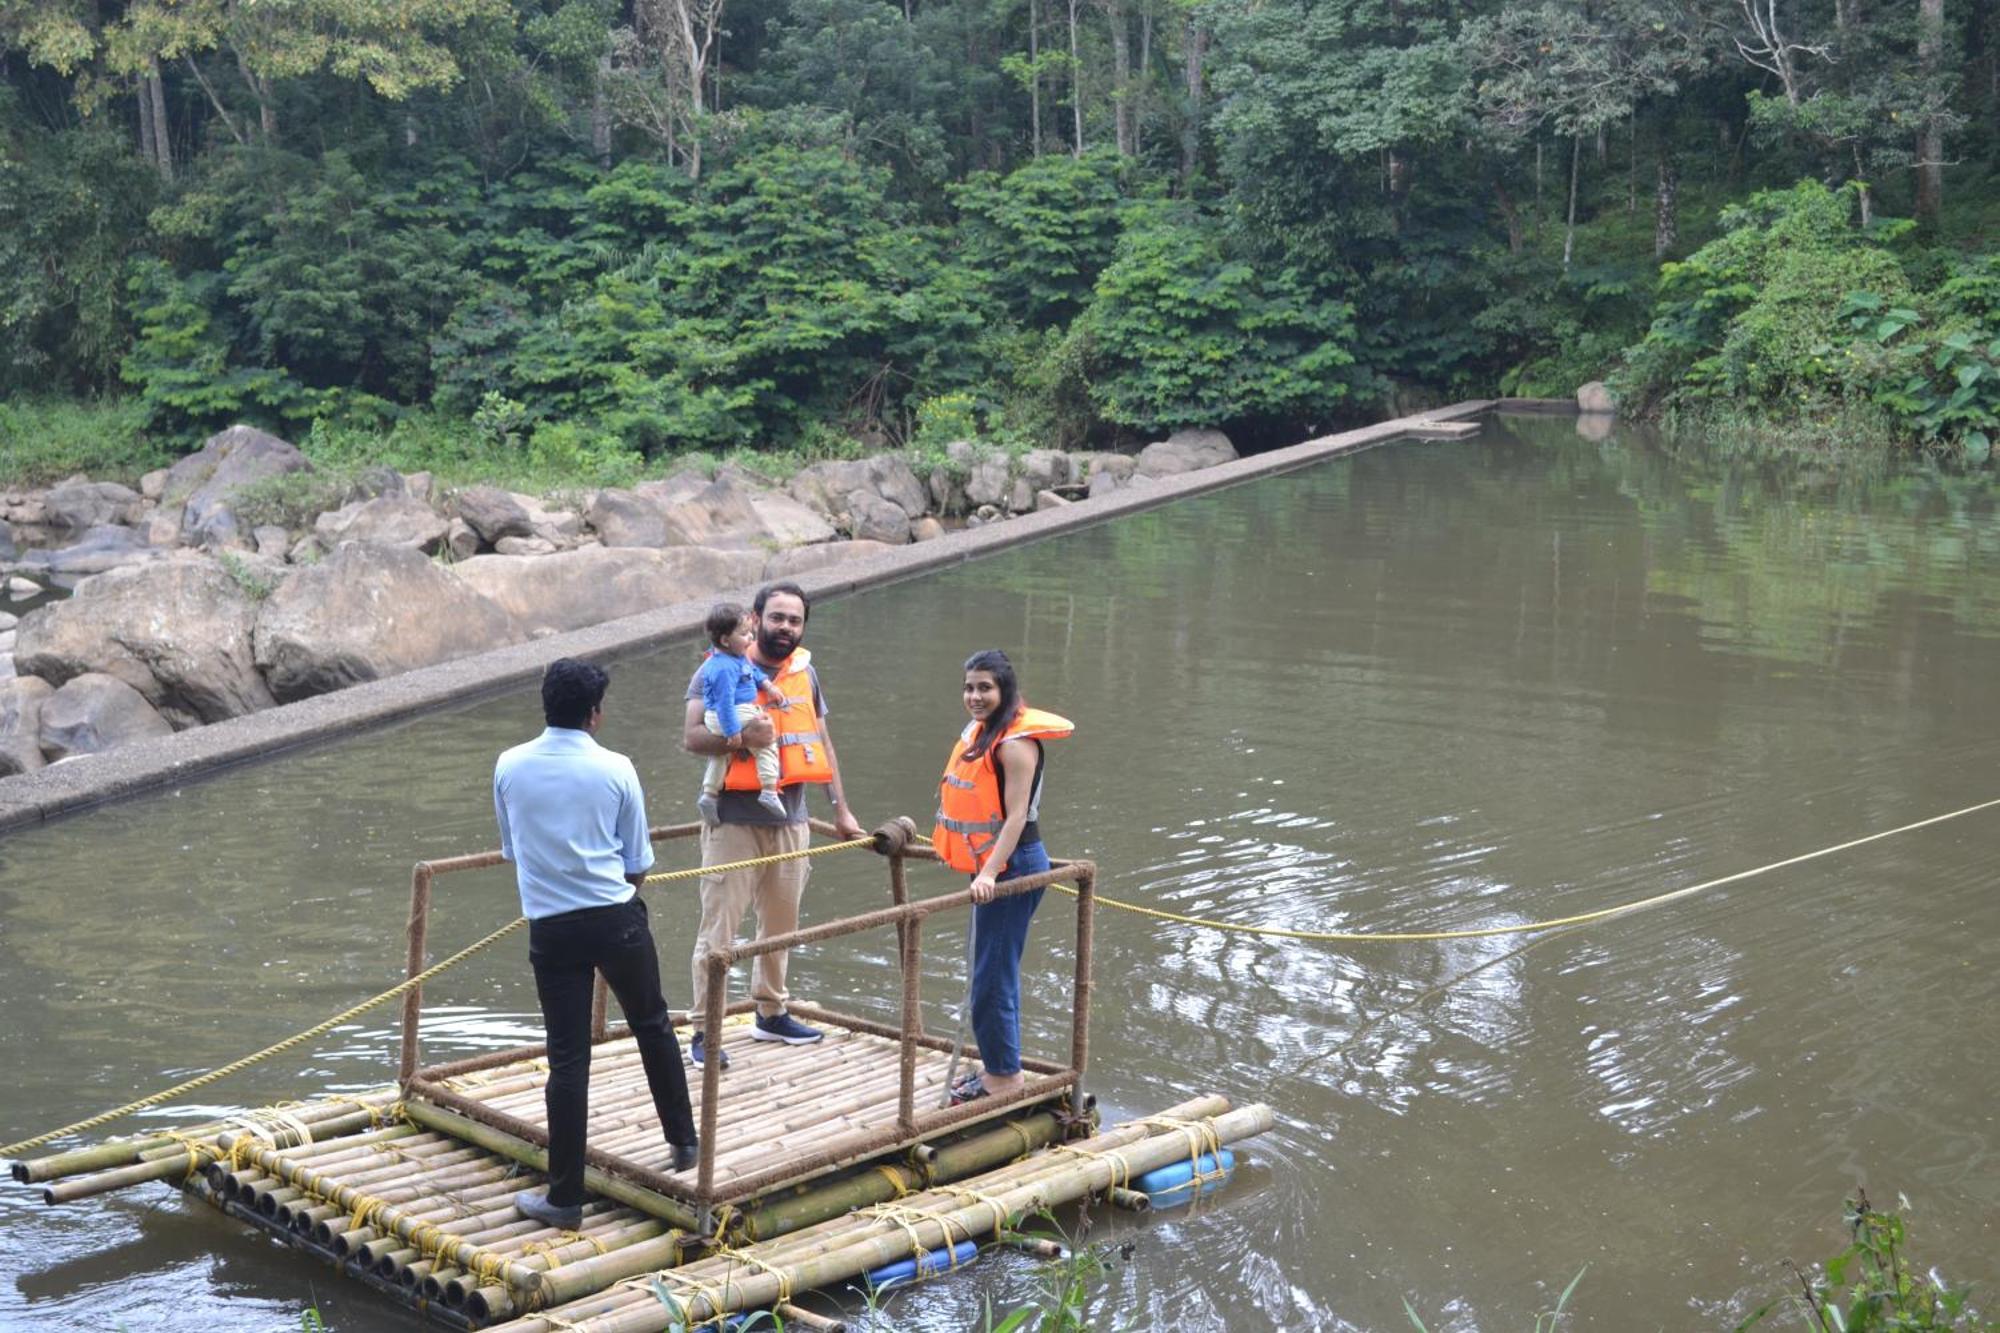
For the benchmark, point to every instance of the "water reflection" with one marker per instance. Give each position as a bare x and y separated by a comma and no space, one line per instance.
1431,687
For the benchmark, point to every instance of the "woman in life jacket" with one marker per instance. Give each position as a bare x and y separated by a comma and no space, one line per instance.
987,827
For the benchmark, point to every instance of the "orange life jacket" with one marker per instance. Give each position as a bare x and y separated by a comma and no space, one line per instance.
802,753
971,806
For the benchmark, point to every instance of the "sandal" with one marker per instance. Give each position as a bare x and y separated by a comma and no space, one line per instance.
969,1090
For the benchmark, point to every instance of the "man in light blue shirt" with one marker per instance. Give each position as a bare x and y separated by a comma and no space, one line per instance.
573,822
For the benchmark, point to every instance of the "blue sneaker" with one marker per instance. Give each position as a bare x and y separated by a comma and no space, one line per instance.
698,1053
785,1028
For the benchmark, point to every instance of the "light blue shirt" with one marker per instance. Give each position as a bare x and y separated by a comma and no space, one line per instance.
572,820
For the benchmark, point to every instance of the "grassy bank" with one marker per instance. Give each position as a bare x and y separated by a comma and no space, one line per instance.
42,441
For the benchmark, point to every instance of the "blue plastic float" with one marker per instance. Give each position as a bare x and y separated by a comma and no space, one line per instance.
1184,1181
905,1271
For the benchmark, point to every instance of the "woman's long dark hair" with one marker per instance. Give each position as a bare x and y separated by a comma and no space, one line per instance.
994,661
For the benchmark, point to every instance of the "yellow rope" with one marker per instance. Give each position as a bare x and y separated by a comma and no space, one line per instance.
696,872
1555,923
196,1150
1121,1170
683,1284
750,1260
402,988
1003,1216
895,1179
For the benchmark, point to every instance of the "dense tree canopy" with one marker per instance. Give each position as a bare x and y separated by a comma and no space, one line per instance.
658,225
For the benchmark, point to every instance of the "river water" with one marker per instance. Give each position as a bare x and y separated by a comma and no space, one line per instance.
1430,686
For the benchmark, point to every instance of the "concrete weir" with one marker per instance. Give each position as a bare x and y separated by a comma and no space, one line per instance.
147,765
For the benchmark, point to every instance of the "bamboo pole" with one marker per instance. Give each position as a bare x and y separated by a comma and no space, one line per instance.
125,1152
575,1281
527,1154
639,1311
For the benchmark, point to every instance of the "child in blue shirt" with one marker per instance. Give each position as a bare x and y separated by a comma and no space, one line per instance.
730,685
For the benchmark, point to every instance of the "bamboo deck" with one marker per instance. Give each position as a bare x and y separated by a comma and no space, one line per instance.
785,1114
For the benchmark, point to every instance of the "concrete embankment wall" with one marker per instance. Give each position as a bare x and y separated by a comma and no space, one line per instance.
149,765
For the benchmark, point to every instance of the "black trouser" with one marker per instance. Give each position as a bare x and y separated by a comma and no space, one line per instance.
566,951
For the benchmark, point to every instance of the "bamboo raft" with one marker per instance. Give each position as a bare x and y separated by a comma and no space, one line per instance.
819,1164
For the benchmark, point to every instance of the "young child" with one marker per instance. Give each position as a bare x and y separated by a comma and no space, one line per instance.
730,685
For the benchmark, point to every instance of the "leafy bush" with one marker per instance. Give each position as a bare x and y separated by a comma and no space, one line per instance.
1041,234
1756,313
1181,332
1874,1284
1797,309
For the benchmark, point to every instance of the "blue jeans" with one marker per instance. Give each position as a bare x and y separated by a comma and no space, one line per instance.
1000,934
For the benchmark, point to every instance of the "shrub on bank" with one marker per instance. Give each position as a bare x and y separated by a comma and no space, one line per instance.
1799,311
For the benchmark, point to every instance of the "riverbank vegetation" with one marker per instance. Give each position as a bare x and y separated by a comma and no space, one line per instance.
541,237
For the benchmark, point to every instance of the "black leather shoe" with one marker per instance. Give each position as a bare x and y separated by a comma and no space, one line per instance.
686,1155
537,1206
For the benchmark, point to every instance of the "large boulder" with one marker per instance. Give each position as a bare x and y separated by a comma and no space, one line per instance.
369,611
788,522
564,527
727,512
205,479
719,514
1595,398
872,519
89,504
21,700
684,484
177,631
593,584
1044,469
492,513
1108,472
626,518
100,549
1185,451
386,520
989,481
827,485
96,712
378,480
805,559
7,548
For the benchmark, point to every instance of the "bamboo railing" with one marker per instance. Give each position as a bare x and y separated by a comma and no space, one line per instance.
693,1207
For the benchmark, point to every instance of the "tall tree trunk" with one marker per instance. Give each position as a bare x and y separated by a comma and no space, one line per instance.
600,113
1035,78
1862,190
144,97
163,139
1077,85
1631,165
260,88
1121,76
1666,205
1197,51
1930,139
1509,213
1145,81
1575,168
1538,192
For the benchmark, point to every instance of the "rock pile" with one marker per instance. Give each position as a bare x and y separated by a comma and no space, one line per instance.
185,612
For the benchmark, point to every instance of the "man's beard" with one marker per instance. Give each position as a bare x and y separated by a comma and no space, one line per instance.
775,645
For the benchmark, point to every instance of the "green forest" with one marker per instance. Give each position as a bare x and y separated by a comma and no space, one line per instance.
587,234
